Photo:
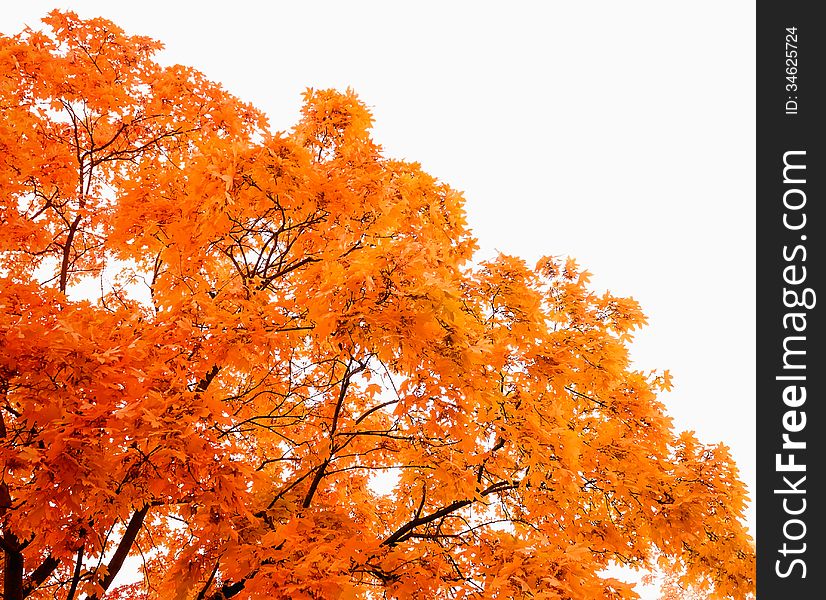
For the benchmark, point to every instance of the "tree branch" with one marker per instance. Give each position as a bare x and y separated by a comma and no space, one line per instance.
210,579
123,548
404,532
13,559
228,590
203,384
319,475
320,471
76,574
40,574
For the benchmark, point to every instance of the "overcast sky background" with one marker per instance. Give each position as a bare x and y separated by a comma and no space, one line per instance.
622,134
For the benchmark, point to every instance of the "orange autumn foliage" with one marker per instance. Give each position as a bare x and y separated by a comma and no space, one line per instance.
266,366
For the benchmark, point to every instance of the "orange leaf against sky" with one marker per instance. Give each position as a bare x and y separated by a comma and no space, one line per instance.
267,365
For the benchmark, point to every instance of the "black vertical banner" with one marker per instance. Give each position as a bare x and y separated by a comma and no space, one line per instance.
791,298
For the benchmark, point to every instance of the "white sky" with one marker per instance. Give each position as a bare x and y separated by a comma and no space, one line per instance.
622,134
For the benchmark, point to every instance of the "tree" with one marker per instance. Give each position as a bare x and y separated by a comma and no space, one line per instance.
293,380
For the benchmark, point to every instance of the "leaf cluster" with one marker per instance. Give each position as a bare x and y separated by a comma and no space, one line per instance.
294,381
